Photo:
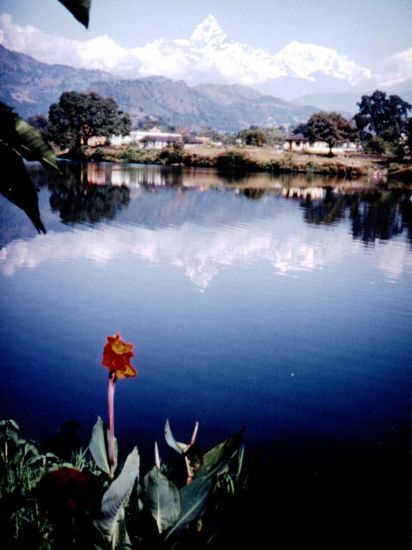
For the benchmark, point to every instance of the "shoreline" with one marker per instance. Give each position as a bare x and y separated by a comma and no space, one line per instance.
254,159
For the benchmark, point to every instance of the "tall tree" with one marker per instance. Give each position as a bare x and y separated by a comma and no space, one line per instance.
382,116
78,117
330,127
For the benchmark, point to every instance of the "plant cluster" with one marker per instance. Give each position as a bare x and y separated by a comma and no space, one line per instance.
95,502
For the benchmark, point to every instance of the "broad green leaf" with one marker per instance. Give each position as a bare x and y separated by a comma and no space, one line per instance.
32,145
9,423
11,434
99,446
193,502
114,500
80,9
171,441
240,459
215,460
16,185
163,497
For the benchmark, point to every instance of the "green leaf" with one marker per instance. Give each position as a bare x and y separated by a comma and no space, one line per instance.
171,441
8,423
80,9
99,446
32,145
240,460
114,499
17,187
163,497
193,502
216,460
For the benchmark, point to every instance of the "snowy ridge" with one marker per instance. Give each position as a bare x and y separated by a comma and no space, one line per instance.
210,55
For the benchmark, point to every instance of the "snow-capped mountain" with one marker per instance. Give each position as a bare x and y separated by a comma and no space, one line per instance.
210,55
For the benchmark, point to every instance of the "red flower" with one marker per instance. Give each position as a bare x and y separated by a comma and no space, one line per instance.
68,490
116,357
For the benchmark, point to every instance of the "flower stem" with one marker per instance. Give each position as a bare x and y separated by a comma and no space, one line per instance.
110,396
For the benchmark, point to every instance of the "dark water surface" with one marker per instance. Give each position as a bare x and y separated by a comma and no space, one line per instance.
255,303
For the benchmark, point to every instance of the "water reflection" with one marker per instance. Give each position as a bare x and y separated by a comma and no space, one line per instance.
84,202
131,175
381,216
94,192
374,215
205,230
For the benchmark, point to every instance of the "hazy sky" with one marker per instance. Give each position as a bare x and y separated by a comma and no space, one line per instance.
365,30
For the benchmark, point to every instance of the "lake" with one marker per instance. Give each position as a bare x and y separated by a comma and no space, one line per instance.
280,304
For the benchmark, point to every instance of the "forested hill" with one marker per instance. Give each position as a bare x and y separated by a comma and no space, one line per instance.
222,107
31,86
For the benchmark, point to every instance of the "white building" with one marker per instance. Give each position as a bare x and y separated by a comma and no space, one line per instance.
151,139
299,143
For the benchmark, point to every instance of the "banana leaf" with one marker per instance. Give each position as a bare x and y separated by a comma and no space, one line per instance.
163,498
80,9
112,512
193,502
99,447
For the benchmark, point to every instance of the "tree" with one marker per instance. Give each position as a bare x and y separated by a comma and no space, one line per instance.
41,123
20,140
330,127
408,137
80,116
253,136
301,128
382,117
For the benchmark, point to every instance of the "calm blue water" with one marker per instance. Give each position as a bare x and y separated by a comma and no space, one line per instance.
259,303
242,311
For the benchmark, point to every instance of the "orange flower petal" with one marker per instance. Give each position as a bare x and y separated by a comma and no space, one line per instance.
116,357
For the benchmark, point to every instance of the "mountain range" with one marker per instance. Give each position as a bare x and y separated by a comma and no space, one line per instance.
296,69
209,54
317,78
31,87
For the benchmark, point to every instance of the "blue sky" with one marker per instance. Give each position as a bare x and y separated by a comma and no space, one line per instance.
365,30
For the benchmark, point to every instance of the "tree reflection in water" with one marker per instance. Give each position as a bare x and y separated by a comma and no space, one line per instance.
84,196
375,215
93,192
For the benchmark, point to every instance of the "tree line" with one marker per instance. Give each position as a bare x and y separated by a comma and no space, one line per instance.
381,126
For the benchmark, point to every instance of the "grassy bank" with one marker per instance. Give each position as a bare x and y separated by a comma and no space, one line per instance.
245,159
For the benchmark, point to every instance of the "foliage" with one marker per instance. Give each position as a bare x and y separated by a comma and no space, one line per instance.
330,127
301,129
408,137
383,116
21,140
77,117
41,123
235,161
382,122
79,8
173,155
252,136
57,504
260,137
18,141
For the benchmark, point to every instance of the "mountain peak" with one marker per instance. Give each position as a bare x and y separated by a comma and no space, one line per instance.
208,30
307,60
